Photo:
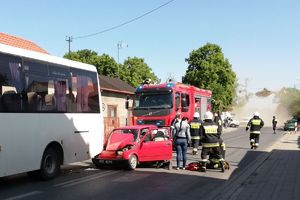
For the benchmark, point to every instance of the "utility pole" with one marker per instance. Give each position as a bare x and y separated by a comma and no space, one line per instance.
69,39
120,45
246,87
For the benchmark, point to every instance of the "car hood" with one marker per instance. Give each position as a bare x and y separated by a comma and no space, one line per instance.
117,141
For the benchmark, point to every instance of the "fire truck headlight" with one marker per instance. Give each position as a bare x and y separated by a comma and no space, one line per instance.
140,122
160,123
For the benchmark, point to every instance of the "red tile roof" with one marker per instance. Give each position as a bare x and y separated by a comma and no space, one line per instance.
20,43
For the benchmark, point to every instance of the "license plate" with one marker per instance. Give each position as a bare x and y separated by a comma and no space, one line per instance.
105,161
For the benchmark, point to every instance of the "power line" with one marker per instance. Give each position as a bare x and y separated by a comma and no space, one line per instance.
124,23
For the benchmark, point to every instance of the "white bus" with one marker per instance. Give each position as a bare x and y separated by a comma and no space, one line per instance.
50,112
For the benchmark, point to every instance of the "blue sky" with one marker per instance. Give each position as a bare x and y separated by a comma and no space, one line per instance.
261,39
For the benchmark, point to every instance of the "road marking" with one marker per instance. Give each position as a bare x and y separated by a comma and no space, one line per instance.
21,196
84,179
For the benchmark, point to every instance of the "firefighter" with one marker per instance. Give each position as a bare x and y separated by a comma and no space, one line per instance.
210,138
218,120
255,124
195,132
274,123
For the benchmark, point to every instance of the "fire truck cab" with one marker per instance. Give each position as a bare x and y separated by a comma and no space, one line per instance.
158,103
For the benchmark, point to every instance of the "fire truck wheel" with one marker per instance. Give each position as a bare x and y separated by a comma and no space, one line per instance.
132,162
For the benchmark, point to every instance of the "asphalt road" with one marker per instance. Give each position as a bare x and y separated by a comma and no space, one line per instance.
146,182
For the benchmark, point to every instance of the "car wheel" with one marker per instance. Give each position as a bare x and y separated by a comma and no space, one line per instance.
132,162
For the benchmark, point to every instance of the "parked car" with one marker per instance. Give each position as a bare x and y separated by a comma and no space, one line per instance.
228,120
290,125
131,145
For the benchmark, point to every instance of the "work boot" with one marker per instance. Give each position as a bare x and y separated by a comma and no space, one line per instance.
222,165
203,167
195,151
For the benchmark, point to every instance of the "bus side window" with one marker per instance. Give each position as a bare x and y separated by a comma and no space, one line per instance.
11,101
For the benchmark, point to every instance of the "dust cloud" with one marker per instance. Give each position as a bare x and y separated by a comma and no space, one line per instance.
267,108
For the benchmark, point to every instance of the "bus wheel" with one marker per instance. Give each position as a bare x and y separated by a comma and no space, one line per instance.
50,165
132,162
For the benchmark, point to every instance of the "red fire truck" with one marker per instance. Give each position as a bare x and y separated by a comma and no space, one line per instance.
158,103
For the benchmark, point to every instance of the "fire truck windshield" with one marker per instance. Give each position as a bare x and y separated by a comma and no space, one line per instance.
153,101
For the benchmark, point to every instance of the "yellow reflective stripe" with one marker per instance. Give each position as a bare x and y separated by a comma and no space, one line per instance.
210,144
256,121
214,160
195,125
220,123
195,137
212,129
255,132
223,145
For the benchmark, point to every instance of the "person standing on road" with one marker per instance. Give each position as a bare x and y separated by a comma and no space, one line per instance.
174,121
218,120
195,132
173,130
210,138
255,124
183,137
274,123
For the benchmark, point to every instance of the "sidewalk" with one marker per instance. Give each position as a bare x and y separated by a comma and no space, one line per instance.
275,176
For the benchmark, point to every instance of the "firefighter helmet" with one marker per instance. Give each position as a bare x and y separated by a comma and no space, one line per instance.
208,115
196,115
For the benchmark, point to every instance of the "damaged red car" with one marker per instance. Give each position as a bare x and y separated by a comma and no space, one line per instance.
132,145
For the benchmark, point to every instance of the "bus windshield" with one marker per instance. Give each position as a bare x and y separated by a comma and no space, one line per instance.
153,100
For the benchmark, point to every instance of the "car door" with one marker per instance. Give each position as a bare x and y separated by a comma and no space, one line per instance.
146,150
151,150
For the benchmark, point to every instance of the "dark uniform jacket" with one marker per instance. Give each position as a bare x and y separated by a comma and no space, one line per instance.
195,129
255,124
210,133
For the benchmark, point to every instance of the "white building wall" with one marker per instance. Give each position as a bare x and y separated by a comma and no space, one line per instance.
116,99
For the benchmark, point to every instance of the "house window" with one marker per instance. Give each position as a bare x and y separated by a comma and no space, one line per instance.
111,111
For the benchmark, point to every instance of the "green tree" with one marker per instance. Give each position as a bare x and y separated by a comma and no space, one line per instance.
209,69
134,71
289,98
105,64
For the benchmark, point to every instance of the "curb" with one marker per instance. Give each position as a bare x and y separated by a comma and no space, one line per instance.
232,188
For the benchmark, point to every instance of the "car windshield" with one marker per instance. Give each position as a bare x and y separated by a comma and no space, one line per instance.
134,132
153,100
